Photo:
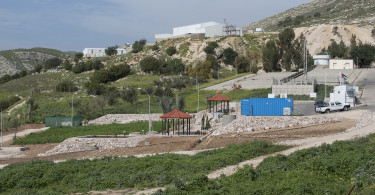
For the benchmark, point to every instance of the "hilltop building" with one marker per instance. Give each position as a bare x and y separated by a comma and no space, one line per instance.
207,29
100,52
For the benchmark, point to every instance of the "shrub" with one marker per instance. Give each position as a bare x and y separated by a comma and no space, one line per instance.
138,45
78,68
210,48
66,86
52,63
110,51
229,55
150,64
171,50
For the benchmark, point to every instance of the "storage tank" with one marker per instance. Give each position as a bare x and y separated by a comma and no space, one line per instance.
267,106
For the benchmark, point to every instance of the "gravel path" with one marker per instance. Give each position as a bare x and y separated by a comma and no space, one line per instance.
9,137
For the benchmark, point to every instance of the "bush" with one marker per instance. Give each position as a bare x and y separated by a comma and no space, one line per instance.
138,45
78,68
52,63
150,64
171,50
66,86
229,55
110,51
210,48
94,88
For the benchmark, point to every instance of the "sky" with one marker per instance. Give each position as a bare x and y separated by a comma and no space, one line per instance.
72,25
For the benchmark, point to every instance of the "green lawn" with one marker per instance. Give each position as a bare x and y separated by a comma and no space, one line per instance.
59,134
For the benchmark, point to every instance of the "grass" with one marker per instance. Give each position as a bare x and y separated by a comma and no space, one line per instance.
327,169
76,176
59,134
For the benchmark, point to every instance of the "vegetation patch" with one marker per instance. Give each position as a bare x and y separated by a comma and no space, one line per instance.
328,169
59,134
118,173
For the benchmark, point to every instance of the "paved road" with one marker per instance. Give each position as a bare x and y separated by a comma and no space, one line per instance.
367,80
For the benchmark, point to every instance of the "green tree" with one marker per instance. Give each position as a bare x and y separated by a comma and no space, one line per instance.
101,76
242,64
337,50
210,48
110,51
173,66
97,65
38,68
229,55
166,104
202,70
78,56
66,86
52,63
211,58
67,65
78,68
150,64
138,45
171,50
118,71
94,88
23,73
364,53
130,95
286,48
271,57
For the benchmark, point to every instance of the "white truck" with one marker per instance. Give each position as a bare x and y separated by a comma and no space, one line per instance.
332,106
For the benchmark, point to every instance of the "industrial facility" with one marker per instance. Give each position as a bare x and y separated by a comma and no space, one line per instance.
206,29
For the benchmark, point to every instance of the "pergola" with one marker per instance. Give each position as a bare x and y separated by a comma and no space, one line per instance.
213,103
173,116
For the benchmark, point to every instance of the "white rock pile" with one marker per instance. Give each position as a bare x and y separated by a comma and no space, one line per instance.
255,123
78,144
124,118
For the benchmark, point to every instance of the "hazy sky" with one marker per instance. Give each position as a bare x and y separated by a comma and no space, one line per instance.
71,25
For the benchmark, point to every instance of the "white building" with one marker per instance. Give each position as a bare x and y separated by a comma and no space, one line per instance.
206,29
344,94
121,51
214,29
341,64
321,60
93,52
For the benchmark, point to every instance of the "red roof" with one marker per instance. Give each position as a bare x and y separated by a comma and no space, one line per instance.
218,97
176,114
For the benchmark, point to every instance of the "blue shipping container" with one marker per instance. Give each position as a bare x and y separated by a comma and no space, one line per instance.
266,106
245,107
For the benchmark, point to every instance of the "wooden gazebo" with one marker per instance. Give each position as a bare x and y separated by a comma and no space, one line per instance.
173,116
213,104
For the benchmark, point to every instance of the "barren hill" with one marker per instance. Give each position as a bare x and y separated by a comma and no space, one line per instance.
344,12
13,61
320,36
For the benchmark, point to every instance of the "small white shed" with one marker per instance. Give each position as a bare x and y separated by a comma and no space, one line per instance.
341,64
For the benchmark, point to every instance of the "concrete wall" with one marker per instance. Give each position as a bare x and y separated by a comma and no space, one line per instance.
193,29
293,89
341,64
214,31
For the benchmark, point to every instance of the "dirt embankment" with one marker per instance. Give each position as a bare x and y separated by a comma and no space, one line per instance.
321,36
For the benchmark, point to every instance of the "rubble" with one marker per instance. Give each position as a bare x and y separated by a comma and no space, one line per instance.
256,123
124,118
78,144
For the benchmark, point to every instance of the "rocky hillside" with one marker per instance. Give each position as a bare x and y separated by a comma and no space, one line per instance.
320,36
344,12
13,61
